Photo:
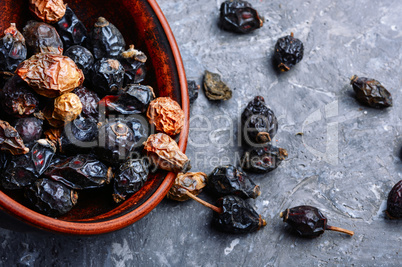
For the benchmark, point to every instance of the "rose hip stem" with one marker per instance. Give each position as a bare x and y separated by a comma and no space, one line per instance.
338,229
206,204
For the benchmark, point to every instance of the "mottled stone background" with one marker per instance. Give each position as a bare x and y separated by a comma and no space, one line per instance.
345,163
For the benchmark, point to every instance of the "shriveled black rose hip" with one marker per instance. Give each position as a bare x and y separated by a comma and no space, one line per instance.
18,99
29,129
133,62
89,100
107,76
116,142
106,40
308,221
50,197
259,123
42,38
23,170
237,216
130,177
80,172
371,92
82,57
12,49
394,202
232,214
288,52
229,180
193,89
134,99
71,30
239,16
263,159
78,136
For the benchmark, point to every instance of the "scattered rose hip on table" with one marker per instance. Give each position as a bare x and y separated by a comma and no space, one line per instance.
259,123
239,16
288,52
308,221
370,92
229,180
394,202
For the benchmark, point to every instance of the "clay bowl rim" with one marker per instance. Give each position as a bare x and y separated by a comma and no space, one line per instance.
44,222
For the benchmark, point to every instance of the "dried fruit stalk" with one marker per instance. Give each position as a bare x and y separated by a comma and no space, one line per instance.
164,152
166,114
51,75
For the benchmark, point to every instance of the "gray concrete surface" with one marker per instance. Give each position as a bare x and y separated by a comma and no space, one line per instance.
345,163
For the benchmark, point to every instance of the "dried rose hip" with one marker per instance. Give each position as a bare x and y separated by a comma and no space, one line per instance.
135,99
288,52
166,114
50,75
130,177
67,107
308,221
192,182
263,159
80,172
12,49
50,197
394,202
193,89
215,88
79,136
371,92
116,142
164,153
239,16
89,100
140,127
42,38
29,129
229,180
10,140
259,123
23,170
237,216
17,98
107,76
106,40
133,62
82,57
71,30
49,11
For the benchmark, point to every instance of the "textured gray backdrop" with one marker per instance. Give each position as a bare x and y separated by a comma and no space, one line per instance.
345,163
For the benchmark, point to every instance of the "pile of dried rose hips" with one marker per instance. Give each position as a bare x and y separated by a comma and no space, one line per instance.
74,114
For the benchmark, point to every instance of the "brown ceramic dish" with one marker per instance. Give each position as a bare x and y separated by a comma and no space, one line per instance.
143,24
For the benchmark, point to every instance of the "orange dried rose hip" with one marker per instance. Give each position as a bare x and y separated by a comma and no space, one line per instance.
49,11
192,182
50,75
67,107
166,114
164,153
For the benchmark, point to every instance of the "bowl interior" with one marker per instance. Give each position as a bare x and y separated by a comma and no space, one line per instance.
139,22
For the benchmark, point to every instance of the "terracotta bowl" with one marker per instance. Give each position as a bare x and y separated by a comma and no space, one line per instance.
143,24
